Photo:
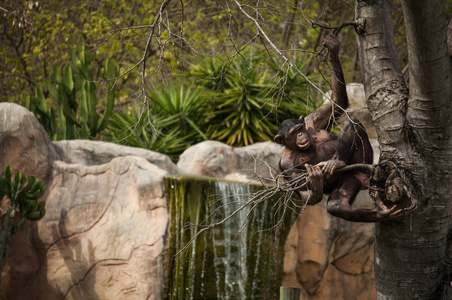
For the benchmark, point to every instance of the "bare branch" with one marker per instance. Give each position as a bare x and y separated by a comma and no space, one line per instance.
358,25
264,36
286,187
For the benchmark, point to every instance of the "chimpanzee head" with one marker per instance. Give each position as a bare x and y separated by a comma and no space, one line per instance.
292,134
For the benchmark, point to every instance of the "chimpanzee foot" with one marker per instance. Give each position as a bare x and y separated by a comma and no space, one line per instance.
396,210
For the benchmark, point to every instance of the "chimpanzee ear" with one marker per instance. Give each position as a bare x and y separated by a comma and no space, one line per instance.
279,139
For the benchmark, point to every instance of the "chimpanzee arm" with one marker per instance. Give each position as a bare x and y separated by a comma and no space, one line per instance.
325,116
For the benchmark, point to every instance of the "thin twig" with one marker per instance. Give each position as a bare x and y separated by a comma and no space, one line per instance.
264,36
287,187
336,29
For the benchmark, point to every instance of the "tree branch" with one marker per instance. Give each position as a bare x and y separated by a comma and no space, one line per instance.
358,25
254,199
264,36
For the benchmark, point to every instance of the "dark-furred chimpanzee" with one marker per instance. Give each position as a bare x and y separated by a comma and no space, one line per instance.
309,146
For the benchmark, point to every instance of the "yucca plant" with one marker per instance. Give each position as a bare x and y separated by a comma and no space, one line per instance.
251,97
241,115
170,124
241,92
141,130
180,106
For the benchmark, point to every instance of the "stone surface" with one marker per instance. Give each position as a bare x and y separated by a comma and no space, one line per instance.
327,257
358,107
96,153
216,159
330,258
24,144
102,236
104,230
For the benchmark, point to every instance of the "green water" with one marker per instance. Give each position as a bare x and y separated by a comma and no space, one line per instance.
241,259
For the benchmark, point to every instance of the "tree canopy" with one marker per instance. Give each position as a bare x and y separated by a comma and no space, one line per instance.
38,35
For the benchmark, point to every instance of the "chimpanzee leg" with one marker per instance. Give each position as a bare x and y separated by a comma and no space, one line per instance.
341,199
353,144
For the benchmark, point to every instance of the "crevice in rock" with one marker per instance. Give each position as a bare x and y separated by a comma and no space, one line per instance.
112,260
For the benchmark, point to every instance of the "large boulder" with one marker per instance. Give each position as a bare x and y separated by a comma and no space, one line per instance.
216,159
327,257
358,107
96,153
104,231
24,144
102,236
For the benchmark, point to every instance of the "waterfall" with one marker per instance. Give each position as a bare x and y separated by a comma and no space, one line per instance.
240,259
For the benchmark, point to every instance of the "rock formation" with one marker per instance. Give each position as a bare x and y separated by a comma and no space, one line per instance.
104,232
211,158
330,258
24,144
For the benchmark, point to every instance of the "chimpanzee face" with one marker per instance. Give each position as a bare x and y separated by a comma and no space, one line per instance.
292,134
299,135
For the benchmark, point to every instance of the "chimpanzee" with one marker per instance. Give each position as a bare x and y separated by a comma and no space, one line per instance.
309,146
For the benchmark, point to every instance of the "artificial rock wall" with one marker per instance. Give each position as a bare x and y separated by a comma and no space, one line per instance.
104,233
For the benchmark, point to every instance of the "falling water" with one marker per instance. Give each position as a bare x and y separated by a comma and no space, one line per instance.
241,259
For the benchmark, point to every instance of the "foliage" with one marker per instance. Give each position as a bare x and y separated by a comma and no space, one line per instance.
295,97
74,91
170,124
44,113
23,193
36,35
256,93
234,101
181,108
242,97
247,95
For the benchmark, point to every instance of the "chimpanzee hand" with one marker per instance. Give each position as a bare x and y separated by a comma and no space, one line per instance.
332,43
328,167
315,183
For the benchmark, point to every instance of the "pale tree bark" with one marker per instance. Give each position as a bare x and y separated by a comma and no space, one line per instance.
414,130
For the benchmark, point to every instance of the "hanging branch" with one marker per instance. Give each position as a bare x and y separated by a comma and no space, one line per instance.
265,38
286,187
358,25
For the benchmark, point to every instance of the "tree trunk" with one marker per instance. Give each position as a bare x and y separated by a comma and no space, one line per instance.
414,130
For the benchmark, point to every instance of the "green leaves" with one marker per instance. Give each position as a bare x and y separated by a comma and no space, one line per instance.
23,193
44,113
109,73
74,90
172,122
241,91
180,107
236,101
